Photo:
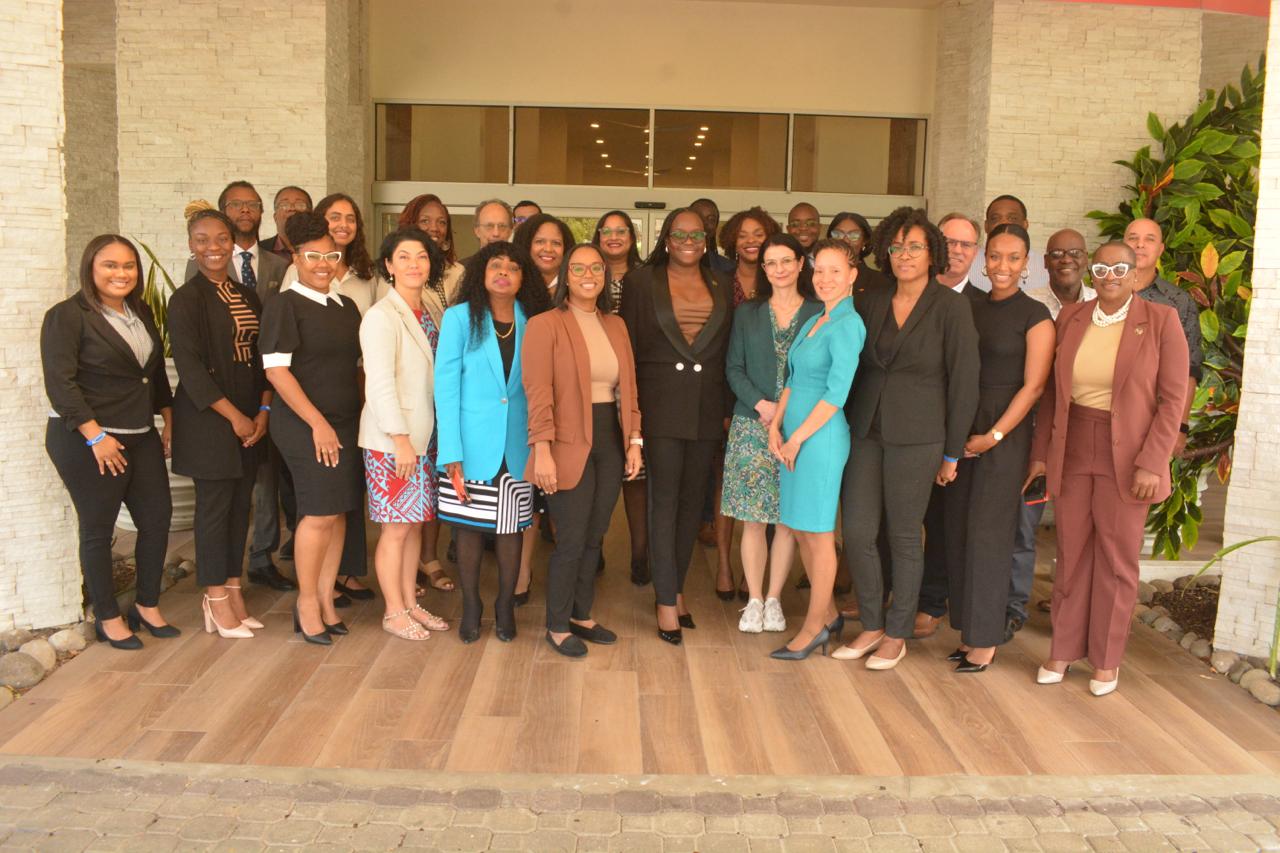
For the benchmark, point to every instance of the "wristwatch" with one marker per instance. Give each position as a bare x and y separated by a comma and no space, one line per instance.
997,435
638,442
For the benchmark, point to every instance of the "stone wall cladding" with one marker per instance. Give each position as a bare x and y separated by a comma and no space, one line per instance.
1227,44
39,574
1251,577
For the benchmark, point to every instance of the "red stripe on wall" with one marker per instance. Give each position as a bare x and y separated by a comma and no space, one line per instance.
1257,8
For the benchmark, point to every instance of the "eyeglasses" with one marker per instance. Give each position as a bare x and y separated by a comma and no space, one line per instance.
802,223
293,206
613,232
1059,254
851,236
967,245
583,269
688,236
779,264
1119,270
237,206
317,257
908,250
493,226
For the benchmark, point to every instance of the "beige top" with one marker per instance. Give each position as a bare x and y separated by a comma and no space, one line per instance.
604,361
691,316
1095,366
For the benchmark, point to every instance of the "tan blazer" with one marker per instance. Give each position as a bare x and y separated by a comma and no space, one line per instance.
1148,396
399,370
557,381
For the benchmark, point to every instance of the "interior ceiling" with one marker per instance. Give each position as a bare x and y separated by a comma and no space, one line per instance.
909,4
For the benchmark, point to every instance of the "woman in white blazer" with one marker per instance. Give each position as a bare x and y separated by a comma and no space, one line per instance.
397,425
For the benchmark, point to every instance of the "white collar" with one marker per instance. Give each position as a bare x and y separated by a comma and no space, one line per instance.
315,295
252,251
959,288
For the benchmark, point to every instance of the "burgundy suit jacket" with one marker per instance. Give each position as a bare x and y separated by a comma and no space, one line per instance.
1147,399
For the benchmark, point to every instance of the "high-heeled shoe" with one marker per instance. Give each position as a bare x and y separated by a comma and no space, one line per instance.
957,655
1102,688
239,632
686,620
337,629
248,621
836,629
675,637
521,598
852,653
639,572
358,593
136,621
877,663
130,643
822,638
726,594
504,633
1044,675
967,665
469,627
321,639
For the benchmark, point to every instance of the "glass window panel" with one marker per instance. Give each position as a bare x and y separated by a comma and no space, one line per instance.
850,154
425,142
720,150
581,147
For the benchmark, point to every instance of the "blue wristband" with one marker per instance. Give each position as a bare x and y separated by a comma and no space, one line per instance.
91,442
264,408
946,458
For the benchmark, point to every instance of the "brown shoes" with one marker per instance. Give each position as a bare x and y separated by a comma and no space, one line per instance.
926,625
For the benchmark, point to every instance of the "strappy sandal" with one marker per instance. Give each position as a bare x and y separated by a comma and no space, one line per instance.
430,620
436,578
412,631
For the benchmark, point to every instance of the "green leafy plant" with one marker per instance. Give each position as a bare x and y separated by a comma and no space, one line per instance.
1275,632
1201,186
156,295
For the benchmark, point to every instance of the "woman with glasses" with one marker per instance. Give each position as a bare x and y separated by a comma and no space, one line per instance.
764,330
428,214
981,508
910,414
310,345
615,237
854,229
1104,436
677,311
577,359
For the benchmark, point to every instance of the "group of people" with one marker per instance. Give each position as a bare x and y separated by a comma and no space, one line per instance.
783,382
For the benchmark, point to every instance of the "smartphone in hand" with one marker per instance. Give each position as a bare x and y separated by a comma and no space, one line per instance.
1037,492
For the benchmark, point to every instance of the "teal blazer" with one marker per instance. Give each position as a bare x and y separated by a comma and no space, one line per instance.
482,417
752,366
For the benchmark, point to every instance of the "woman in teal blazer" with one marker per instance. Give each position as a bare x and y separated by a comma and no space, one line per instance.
482,424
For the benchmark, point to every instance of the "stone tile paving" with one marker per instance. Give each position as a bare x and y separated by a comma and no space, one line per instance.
60,804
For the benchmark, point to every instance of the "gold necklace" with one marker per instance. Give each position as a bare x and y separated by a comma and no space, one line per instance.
501,336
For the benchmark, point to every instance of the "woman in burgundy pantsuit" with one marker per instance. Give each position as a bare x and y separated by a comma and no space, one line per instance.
1104,436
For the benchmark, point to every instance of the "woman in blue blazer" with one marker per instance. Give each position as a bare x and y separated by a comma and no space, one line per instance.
482,423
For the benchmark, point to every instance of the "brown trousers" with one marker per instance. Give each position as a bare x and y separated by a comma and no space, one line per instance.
1099,540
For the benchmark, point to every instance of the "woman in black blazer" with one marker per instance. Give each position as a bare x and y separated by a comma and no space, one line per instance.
219,415
104,375
677,311
910,412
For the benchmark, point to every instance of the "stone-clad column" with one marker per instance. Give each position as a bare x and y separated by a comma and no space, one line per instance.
39,573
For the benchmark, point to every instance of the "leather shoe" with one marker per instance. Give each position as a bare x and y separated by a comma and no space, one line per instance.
269,575
595,634
926,625
1013,626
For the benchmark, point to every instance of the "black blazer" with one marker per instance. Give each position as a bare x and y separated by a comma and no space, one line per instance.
927,389
91,374
202,335
683,392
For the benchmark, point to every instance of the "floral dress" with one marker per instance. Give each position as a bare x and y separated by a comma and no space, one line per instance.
395,500
751,474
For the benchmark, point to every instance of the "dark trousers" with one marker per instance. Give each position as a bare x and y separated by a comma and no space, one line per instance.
679,473
143,488
222,525
582,516
892,481
1023,575
268,494
933,583
355,549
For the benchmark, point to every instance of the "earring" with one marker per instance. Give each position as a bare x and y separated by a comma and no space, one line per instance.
1024,275
391,278
984,272
191,257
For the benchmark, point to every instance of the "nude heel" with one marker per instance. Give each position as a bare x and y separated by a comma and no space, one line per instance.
239,632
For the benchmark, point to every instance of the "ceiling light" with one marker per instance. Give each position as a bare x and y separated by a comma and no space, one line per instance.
595,124
688,168
704,128
697,145
702,136
608,165
599,142
692,157
604,155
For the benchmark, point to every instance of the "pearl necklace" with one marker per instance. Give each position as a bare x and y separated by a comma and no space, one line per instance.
1102,319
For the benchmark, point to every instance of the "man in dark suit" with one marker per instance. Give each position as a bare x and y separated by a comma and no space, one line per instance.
288,201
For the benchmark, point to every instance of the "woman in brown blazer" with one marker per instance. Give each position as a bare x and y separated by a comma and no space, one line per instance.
1104,436
580,379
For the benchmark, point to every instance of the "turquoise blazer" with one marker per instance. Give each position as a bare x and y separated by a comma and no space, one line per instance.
482,417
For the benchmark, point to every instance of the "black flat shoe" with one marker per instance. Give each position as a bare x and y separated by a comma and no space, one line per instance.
505,634
686,620
321,639
967,665
675,637
338,628
521,598
597,634
957,656
130,643
725,594
1012,626
355,592
640,572
342,601
269,575
822,638
570,647
135,622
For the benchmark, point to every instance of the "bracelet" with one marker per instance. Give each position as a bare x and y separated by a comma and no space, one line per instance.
638,442
264,408
96,439
946,458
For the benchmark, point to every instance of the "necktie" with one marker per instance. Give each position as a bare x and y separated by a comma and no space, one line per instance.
247,278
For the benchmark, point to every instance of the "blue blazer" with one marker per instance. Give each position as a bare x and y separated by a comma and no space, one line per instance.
482,417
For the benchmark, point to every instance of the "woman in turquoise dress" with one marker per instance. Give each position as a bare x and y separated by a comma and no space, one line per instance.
810,436
763,330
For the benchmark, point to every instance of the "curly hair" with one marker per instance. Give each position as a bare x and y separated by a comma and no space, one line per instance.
532,294
863,226
209,213
416,235
527,230
560,296
729,231
764,287
413,212
901,221
305,226
633,254
356,255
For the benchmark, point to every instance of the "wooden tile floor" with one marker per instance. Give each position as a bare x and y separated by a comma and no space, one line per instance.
716,705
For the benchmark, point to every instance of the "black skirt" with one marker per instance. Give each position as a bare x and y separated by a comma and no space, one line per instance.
321,490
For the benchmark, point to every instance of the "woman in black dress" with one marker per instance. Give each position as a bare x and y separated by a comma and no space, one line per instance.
219,415
310,348
104,376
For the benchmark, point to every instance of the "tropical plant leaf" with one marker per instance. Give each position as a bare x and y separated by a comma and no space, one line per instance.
1230,263
1209,260
1154,127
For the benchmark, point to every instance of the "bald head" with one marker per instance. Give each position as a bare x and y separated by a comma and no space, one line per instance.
1147,241
1065,257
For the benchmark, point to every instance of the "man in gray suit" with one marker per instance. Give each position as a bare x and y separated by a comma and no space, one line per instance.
261,271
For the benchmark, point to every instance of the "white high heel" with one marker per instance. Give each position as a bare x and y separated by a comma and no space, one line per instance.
248,621
239,632
1102,688
1047,676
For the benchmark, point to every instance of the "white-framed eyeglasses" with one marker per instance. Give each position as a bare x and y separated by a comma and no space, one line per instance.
1119,270
317,257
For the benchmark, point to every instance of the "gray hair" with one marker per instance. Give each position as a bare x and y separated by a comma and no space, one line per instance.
952,217
482,205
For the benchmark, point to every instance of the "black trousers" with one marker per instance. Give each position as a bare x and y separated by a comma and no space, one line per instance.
679,472
582,516
143,488
272,489
222,524
933,583
890,481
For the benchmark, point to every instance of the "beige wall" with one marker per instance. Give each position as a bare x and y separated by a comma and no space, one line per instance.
758,56
1228,43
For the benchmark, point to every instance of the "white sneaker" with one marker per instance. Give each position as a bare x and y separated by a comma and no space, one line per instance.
752,621
773,618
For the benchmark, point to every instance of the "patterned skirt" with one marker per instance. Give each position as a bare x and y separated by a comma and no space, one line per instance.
751,474
393,500
501,505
